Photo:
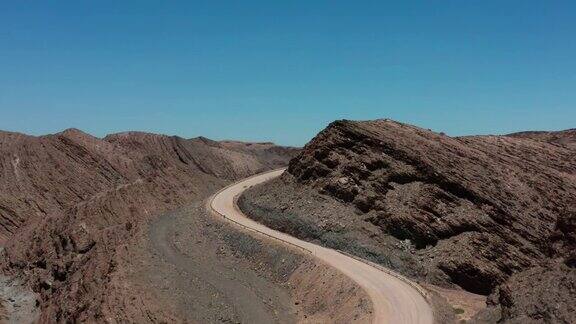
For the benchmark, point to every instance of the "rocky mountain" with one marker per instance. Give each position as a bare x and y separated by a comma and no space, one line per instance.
564,138
71,202
491,214
50,174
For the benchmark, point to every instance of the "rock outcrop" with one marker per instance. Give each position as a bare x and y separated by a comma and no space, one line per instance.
485,210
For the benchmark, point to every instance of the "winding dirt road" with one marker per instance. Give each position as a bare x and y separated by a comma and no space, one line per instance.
394,300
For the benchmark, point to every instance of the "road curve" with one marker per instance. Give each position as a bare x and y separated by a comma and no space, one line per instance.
394,300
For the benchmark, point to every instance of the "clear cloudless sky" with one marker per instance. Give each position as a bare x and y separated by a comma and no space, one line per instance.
282,70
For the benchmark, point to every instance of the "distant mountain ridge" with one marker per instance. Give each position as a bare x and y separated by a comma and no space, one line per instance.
566,137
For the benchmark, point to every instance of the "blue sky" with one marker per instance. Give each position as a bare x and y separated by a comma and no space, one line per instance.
282,70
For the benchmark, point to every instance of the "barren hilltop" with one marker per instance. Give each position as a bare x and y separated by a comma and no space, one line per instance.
492,215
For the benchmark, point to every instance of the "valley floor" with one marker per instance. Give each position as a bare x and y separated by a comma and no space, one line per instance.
190,264
200,269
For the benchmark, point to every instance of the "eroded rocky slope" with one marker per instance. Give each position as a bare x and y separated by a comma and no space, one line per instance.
486,213
562,138
70,204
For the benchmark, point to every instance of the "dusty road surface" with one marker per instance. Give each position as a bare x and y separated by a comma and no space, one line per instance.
394,300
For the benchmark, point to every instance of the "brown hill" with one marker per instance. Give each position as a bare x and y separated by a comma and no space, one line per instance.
69,202
50,174
565,137
489,213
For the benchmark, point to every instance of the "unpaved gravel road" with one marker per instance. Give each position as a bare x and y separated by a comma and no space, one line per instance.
394,300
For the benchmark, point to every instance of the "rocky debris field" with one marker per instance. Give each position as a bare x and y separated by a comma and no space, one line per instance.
77,203
483,213
19,304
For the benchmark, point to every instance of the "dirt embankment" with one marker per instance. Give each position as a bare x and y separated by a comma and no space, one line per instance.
483,212
77,204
